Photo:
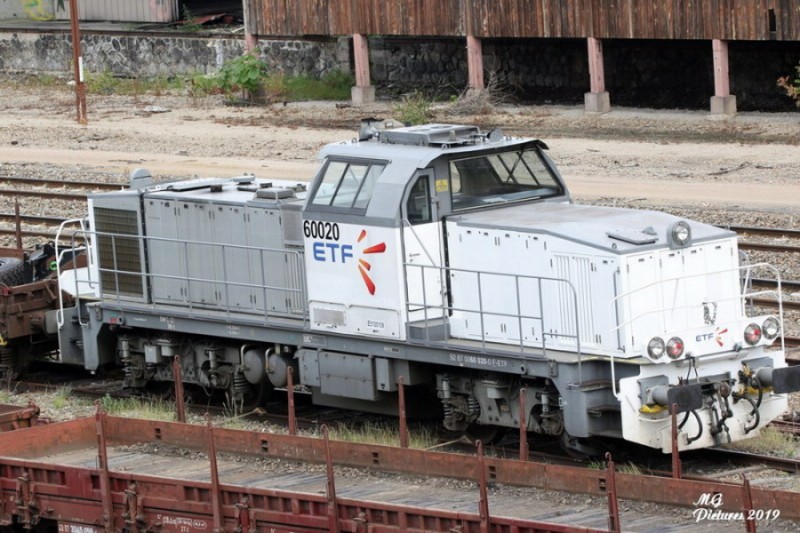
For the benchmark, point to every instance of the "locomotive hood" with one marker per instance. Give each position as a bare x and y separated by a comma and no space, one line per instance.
615,230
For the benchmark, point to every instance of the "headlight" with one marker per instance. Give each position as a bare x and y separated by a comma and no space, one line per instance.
675,348
771,327
752,334
655,348
681,233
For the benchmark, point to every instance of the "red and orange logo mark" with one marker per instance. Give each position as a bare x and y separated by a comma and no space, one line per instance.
364,266
719,334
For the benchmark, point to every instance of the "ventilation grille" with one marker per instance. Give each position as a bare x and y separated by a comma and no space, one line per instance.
119,257
329,317
578,271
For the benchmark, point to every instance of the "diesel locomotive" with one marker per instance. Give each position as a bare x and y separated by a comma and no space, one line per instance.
448,256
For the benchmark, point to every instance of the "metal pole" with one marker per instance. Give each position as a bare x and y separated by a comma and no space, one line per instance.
177,373
77,60
102,459
290,391
611,489
333,505
401,395
676,454
216,497
747,506
17,223
483,503
523,427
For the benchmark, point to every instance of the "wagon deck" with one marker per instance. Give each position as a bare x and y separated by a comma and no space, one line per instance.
108,474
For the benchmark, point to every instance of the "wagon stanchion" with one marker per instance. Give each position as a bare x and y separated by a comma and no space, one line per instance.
483,504
401,399
216,500
747,506
17,224
102,459
676,454
523,427
290,394
611,490
177,375
330,486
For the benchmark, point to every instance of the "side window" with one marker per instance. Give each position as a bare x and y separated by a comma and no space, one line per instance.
347,185
418,208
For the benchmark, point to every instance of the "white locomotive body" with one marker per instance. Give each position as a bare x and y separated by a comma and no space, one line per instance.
449,257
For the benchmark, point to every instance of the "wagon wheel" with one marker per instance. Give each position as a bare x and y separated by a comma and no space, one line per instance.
14,362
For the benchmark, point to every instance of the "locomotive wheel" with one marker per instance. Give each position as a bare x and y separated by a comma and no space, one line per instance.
13,272
256,396
485,434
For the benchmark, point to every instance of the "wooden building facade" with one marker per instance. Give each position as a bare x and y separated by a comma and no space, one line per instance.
716,21
747,20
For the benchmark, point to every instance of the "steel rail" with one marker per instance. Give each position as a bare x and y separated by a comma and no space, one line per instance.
32,219
766,232
43,194
739,457
767,247
41,182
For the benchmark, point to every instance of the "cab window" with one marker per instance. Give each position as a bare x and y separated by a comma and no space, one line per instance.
501,177
347,185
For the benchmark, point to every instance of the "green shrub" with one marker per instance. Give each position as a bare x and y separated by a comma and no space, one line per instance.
413,109
245,73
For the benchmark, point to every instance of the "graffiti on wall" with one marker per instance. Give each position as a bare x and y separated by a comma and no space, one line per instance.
40,9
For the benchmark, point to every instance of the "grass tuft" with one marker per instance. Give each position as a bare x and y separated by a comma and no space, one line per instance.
413,109
383,433
771,442
137,408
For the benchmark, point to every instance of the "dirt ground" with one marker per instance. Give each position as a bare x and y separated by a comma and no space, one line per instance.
628,156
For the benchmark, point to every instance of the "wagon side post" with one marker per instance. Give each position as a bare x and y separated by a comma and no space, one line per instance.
102,459
523,427
216,501
330,486
290,394
177,373
676,454
611,489
483,503
401,399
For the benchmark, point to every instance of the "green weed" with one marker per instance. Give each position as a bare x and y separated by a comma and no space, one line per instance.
414,108
384,433
138,408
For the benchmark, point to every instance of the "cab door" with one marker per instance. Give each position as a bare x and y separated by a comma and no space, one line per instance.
423,254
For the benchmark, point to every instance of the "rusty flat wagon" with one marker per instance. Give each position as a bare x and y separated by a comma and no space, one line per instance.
106,473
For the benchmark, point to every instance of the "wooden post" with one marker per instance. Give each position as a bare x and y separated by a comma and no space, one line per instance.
475,80
364,91
723,102
597,99
250,40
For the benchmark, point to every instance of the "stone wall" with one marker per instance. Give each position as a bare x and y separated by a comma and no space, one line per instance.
146,55
639,73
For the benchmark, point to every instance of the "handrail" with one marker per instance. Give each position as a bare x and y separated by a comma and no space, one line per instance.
60,255
294,273
517,314
743,295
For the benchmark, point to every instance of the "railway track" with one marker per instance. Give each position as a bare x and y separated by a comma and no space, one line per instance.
61,184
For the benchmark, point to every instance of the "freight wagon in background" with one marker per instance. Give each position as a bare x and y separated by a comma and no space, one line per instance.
443,255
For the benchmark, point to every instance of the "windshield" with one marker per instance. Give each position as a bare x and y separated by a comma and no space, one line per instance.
501,177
